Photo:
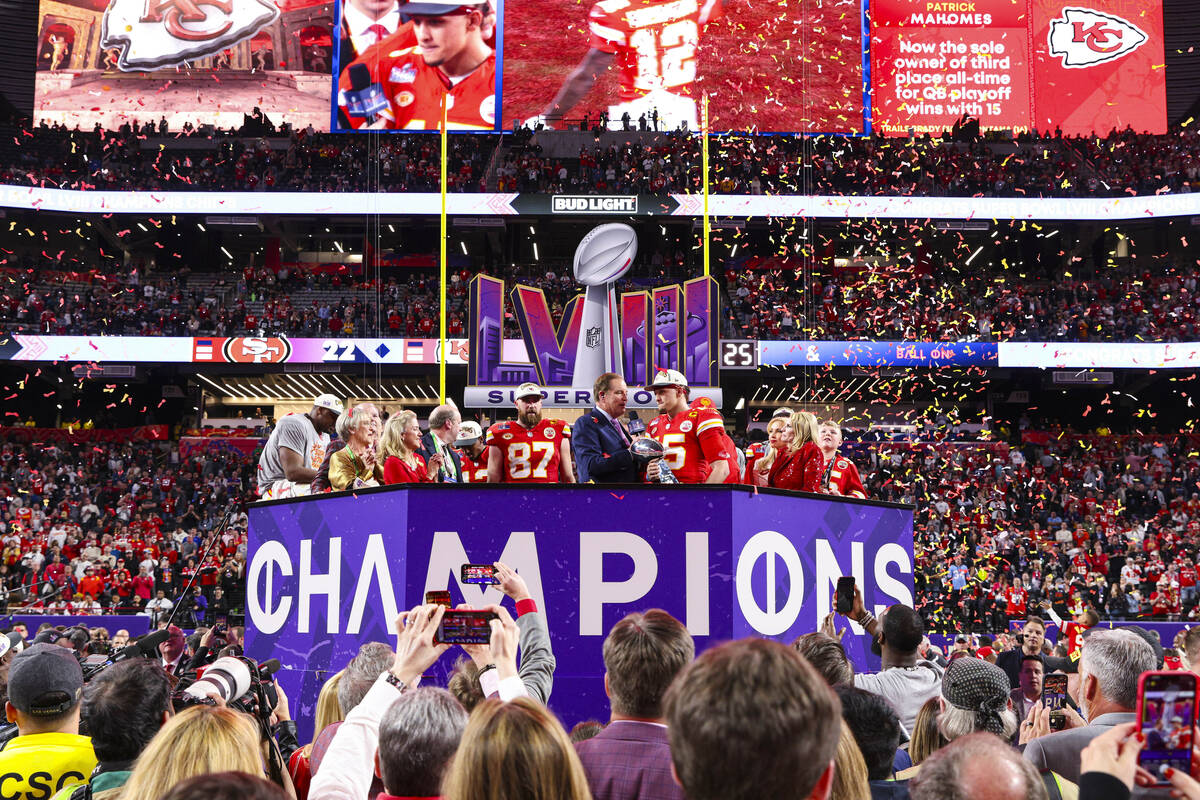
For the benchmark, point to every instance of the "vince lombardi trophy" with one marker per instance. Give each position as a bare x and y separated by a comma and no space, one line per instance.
604,255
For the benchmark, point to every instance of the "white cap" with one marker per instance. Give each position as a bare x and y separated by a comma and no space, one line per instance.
330,402
782,412
469,433
668,377
528,389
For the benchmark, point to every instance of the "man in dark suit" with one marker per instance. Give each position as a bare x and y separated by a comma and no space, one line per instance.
631,758
439,439
1032,637
599,442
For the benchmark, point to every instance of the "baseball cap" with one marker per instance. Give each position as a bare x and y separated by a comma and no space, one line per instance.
330,402
16,641
668,377
45,680
468,433
435,8
975,685
528,389
782,412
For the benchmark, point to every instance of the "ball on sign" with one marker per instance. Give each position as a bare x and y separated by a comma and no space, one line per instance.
605,254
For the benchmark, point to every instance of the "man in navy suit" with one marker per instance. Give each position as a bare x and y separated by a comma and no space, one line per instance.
631,758
599,442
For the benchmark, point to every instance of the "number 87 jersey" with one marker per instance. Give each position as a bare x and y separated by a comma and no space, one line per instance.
655,41
528,455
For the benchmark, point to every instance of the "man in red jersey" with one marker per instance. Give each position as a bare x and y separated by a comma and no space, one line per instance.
529,449
840,476
472,452
694,438
655,43
443,56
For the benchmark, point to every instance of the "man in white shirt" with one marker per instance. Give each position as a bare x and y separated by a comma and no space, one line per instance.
365,23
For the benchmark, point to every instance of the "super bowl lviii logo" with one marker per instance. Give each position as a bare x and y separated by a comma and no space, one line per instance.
633,335
153,34
1083,38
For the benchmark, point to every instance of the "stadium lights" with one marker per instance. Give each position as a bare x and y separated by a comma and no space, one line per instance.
144,228
464,248
735,249
338,245
226,252
391,228
535,252
741,403
978,250
213,384
198,225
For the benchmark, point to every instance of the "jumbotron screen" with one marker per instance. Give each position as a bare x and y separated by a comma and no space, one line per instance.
763,66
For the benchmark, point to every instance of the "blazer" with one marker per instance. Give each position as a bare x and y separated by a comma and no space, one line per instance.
600,454
1060,751
629,760
453,461
1010,662
799,470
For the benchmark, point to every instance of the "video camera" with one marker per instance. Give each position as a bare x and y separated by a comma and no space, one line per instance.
240,681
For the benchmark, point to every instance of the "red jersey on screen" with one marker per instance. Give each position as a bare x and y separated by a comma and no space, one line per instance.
474,470
655,41
692,440
528,455
414,90
844,475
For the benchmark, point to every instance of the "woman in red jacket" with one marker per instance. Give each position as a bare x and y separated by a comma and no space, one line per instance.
398,451
798,467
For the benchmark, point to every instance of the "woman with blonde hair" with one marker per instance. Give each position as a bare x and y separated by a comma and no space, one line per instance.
398,451
515,751
329,711
779,435
850,770
798,466
196,741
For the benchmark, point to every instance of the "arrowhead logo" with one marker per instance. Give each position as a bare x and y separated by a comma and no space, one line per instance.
1083,38
153,34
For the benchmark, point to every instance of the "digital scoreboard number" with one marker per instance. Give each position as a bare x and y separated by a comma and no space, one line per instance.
739,354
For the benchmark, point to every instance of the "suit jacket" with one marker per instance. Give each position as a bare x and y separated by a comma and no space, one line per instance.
600,454
537,660
426,452
1060,751
1010,662
629,760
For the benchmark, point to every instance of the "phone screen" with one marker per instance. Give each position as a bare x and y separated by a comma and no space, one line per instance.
1054,697
845,595
465,627
1167,708
478,573
438,598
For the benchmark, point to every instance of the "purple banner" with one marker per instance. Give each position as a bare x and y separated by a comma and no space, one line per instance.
136,624
330,573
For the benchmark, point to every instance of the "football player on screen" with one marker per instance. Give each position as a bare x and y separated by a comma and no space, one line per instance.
693,436
655,43
444,53
529,449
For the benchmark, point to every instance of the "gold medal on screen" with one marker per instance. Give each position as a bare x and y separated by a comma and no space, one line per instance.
152,34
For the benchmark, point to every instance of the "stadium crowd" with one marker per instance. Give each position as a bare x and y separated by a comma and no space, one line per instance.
1123,302
1117,164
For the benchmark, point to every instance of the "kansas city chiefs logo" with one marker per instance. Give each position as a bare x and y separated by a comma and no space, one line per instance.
1083,38
153,34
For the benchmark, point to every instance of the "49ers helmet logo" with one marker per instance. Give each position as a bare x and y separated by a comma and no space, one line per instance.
153,34
258,350
1084,38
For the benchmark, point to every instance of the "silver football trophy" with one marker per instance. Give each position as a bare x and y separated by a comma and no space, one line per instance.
646,450
603,256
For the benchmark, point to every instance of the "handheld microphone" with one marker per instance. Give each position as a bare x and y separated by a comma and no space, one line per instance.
149,643
636,426
268,668
365,99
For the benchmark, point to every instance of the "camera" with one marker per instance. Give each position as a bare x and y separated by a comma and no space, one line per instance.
239,681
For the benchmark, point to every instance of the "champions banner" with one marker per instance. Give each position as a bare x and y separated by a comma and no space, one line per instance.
328,574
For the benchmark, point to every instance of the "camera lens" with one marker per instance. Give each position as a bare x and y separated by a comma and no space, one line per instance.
228,677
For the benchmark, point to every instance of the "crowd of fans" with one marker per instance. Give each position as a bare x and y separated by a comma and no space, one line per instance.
1118,164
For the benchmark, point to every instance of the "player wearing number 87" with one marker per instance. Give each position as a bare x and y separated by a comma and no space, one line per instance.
529,449
655,43
694,438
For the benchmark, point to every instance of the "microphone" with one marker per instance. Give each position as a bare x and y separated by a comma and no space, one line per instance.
148,644
636,426
268,667
365,99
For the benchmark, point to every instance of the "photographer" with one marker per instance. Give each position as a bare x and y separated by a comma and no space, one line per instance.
124,707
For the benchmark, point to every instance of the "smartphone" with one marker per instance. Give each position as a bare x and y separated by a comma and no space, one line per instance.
438,599
465,627
1166,712
478,573
845,595
1054,697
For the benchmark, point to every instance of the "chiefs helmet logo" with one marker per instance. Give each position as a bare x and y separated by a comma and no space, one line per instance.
257,350
153,34
1084,38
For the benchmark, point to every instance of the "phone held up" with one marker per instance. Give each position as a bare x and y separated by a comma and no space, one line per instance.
1054,697
478,573
465,627
1166,714
845,595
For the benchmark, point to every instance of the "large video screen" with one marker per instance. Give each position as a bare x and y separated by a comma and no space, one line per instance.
779,66
1017,64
